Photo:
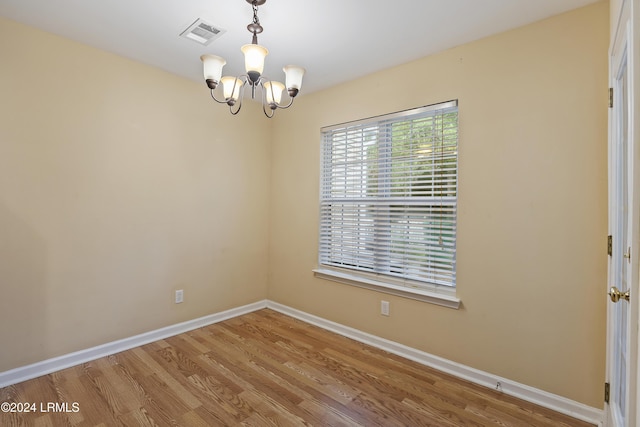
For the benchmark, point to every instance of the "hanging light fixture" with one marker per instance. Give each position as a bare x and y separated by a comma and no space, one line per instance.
254,54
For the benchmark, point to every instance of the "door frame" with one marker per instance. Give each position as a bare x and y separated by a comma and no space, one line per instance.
625,16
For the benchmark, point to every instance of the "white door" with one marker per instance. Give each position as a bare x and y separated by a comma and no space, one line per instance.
622,333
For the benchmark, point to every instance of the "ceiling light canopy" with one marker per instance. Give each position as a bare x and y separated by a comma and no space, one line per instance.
254,54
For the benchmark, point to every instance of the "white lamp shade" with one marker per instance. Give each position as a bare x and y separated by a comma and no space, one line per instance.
254,55
231,92
293,76
273,91
212,66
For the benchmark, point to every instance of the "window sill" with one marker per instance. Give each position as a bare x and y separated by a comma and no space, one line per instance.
445,298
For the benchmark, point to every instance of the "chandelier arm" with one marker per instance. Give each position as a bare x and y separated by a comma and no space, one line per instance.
216,99
239,104
240,96
242,88
246,81
264,99
264,80
264,110
263,90
288,105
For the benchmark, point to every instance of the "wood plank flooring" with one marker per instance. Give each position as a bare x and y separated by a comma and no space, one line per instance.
263,369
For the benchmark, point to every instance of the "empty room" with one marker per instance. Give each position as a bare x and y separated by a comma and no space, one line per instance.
329,213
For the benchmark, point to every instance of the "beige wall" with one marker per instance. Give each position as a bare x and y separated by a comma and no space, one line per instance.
532,204
119,183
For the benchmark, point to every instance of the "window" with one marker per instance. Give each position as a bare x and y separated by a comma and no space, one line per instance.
388,198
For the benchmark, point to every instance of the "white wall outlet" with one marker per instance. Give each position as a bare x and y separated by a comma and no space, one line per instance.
179,296
384,308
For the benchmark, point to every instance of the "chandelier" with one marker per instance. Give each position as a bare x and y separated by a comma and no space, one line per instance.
254,54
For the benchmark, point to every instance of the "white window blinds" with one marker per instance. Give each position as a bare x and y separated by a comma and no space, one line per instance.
388,195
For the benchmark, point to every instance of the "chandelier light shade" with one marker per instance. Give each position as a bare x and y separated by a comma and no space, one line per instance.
231,87
293,76
212,67
273,91
254,56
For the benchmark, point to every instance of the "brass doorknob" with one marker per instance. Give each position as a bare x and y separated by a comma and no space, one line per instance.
616,295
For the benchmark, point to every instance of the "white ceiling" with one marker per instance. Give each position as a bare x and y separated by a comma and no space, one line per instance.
335,40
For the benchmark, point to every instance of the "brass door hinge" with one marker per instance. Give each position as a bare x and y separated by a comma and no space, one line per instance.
609,245
606,392
610,97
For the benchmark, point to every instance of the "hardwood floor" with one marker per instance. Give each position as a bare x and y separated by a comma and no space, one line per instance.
263,369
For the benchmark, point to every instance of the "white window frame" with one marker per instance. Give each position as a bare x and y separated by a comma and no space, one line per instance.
429,281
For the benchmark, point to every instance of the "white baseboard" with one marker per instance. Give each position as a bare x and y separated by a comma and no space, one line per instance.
48,366
530,394
512,388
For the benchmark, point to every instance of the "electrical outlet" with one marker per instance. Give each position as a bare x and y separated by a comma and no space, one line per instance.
179,296
384,308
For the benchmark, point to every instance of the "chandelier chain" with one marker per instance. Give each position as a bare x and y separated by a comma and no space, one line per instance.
255,13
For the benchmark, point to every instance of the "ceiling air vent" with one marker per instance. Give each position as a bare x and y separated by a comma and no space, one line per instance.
202,32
